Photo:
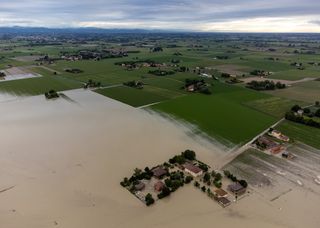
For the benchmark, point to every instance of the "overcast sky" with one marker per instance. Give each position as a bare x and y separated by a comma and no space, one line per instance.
197,15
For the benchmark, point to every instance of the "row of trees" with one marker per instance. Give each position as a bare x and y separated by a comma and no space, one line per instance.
303,120
181,159
259,73
176,180
265,85
235,179
134,84
214,178
133,63
159,72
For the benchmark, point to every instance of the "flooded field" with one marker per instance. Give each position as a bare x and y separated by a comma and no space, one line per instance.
61,162
281,182
17,73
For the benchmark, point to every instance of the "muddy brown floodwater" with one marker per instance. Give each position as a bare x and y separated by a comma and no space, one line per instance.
61,163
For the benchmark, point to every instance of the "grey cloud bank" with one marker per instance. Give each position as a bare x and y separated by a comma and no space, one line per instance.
201,15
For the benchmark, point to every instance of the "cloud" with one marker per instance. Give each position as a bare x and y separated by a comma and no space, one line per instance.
316,22
174,14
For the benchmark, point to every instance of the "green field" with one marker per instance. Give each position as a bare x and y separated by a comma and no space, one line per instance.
131,96
232,114
36,86
294,74
308,92
274,106
302,133
222,115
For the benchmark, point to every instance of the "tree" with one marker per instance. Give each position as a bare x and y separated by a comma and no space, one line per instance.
317,103
218,184
226,173
317,113
243,183
218,177
125,182
168,182
196,184
206,177
189,154
204,167
137,171
203,188
177,184
164,193
149,199
295,108
188,179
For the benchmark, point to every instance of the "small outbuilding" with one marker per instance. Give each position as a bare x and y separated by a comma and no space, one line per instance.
223,201
159,172
158,186
220,193
139,187
237,188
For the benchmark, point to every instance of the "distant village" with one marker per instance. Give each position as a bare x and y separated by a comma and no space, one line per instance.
152,184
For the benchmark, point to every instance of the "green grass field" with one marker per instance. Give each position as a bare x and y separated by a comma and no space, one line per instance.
302,133
232,114
36,86
295,74
131,96
274,106
221,115
308,92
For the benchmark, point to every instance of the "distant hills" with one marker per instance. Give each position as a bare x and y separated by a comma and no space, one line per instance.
17,30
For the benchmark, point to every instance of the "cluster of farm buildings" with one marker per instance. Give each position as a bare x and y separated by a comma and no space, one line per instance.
156,184
275,143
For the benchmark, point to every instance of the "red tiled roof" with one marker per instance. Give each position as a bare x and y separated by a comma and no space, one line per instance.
220,192
192,168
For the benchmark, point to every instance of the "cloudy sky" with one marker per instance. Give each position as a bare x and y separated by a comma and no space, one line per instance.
196,15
